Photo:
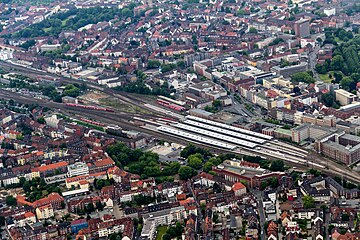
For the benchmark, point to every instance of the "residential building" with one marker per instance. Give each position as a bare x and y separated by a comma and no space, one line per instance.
78,169
239,189
302,28
316,188
44,212
78,224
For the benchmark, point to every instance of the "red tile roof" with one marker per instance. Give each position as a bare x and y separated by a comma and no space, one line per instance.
238,186
29,214
104,162
52,166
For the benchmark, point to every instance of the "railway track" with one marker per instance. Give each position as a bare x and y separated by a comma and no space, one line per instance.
123,118
126,98
60,106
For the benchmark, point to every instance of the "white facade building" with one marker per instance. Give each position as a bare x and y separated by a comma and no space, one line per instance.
78,169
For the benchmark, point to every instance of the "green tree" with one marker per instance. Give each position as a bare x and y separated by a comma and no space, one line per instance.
345,217
89,208
126,12
314,172
273,182
27,186
277,165
153,64
302,77
166,236
41,120
10,200
217,104
253,30
328,99
348,84
180,64
241,12
115,236
218,160
99,205
337,63
71,91
308,202
167,67
338,77
28,44
192,149
195,161
186,172
171,169
208,166
2,221
22,180
276,41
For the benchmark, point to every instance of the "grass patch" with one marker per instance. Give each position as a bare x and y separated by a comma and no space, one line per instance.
325,77
85,124
116,103
63,22
160,232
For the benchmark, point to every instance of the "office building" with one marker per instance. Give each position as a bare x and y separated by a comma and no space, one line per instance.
344,97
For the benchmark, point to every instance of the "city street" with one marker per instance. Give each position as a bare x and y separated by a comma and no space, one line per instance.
259,200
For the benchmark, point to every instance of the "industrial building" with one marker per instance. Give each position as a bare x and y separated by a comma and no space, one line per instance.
309,131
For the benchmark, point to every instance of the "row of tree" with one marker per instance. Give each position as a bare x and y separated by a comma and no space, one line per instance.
74,19
140,87
345,55
145,164
71,90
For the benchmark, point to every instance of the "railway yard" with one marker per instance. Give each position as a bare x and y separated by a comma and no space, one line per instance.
168,120
232,139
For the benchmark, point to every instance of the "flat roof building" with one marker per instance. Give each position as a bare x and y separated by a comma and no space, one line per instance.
236,171
78,169
340,146
345,97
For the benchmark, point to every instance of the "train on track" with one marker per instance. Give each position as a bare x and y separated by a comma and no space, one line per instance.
180,103
92,122
170,105
89,107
